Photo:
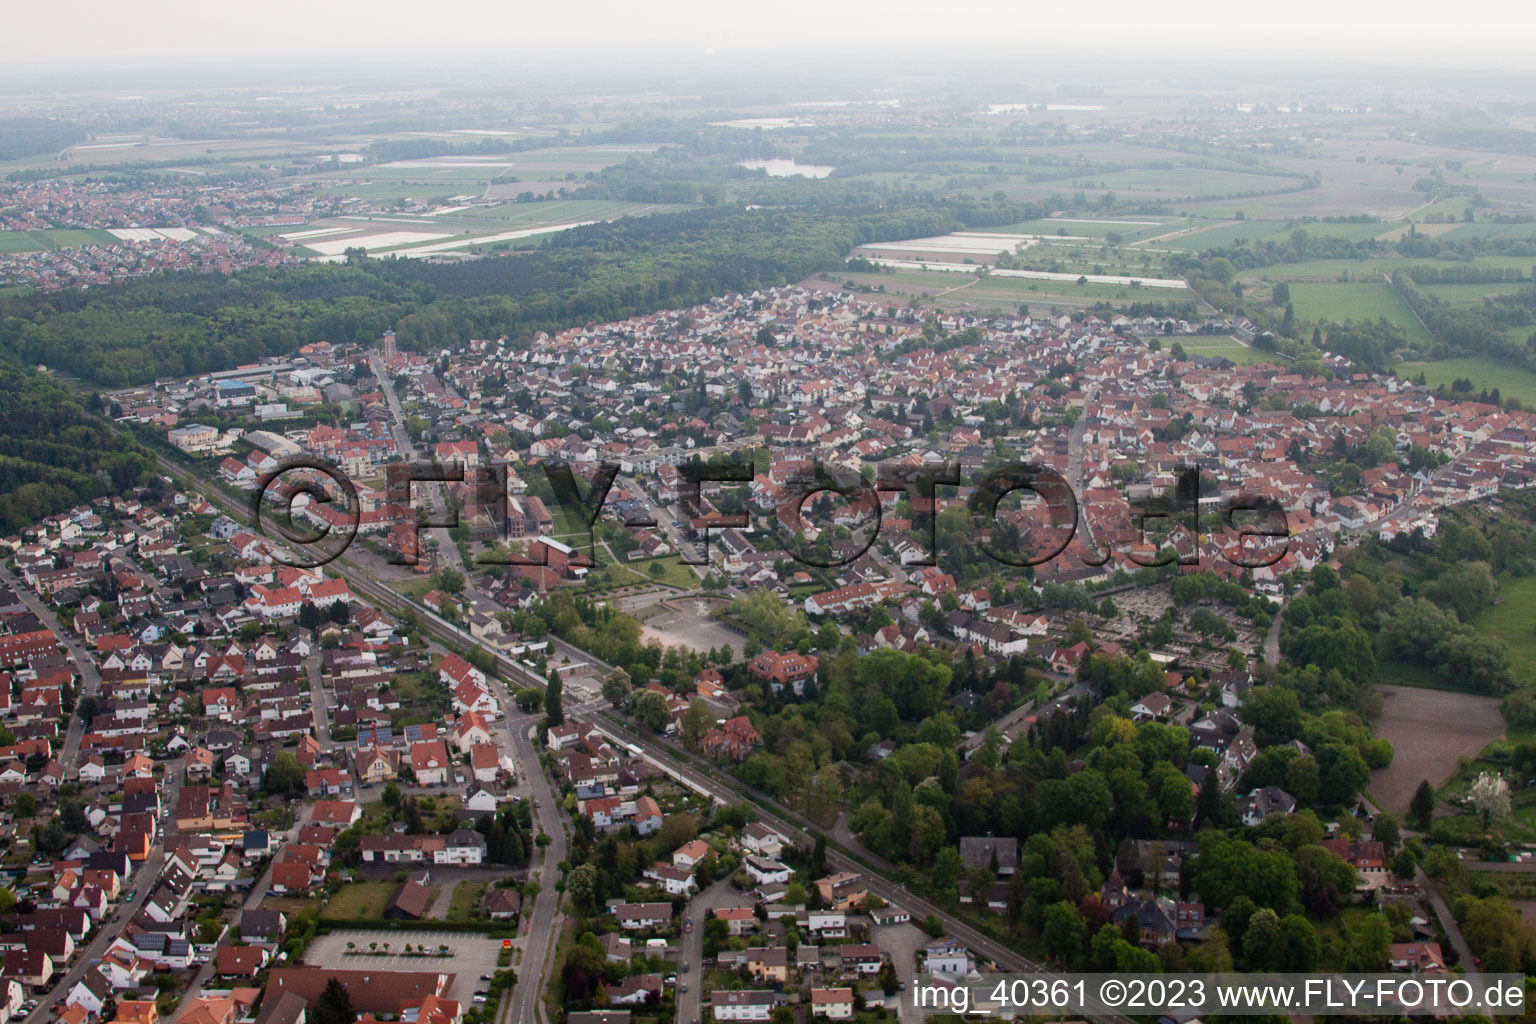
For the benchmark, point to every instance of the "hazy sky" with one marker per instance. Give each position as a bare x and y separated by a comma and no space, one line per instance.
56,37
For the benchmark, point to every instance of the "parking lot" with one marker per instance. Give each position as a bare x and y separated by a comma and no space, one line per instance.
469,956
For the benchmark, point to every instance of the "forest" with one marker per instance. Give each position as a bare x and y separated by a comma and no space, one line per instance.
54,452
21,137
187,324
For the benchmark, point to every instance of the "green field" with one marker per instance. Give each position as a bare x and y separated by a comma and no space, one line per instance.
1090,227
52,238
1463,293
1356,302
1230,348
1484,373
1511,621
1375,267
1490,230
559,211
1218,234
1191,182
946,288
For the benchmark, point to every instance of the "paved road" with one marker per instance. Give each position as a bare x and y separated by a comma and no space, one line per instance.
85,665
544,922
317,703
252,901
663,517
1272,638
140,883
1075,465
691,951
145,874
445,544
1448,923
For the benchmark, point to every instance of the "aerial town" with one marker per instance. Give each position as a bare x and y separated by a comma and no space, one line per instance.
234,781
650,514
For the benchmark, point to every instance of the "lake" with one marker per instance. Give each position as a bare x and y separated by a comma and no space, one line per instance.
780,168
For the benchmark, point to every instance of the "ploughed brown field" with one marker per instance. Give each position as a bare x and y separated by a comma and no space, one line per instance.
1429,730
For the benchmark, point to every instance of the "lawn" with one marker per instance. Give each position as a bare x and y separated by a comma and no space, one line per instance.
1370,301
358,901
466,900
415,589
673,572
1482,372
1512,622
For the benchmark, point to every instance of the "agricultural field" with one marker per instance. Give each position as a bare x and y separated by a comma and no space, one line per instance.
1366,301
1430,731
453,229
1191,182
1484,374
1129,229
52,238
1464,293
1003,294
1211,234
517,215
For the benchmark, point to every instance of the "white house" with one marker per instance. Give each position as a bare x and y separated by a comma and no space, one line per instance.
767,872
829,924
948,957
762,840
832,1003
741,1004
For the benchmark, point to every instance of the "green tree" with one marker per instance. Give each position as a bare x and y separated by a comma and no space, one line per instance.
649,708
1422,807
616,687
582,885
450,581
1064,931
554,703
334,1005
1342,770
1386,832
284,777
696,723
